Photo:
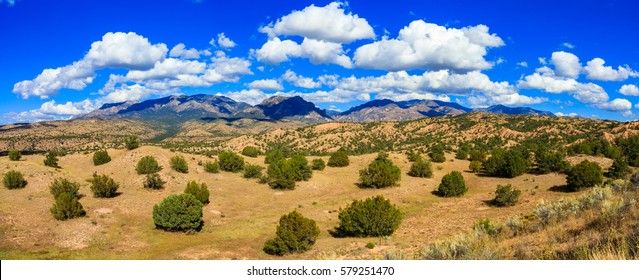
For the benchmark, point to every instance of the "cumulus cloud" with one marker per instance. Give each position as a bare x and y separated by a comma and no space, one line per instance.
181,51
546,80
566,64
335,96
567,45
166,69
266,84
522,64
300,81
422,45
572,115
252,96
513,99
225,42
616,105
329,23
51,111
631,90
75,76
596,70
276,51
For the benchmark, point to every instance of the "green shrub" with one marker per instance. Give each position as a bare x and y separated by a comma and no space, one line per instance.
475,166
15,155
101,157
63,185
153,181
630,148
131,142
437,153
485,226
14,180
280,175
250,151
375,216
212,167
199,191
477,155
507,164
452,185
103,186
148,165
230,161
586,174
273,156
413,156
506,195
548,162
370,245
252,171
318,164
178,213
619,168
380,173
178,163
300,168
51,159
338,159
295,234
462,152
421,168
67,207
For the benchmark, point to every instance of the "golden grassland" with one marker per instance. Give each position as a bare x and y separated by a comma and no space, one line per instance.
242,214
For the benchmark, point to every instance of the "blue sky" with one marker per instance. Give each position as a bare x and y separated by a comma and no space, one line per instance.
60,58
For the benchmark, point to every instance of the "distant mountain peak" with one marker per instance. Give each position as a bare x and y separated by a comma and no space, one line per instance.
389,110
501,109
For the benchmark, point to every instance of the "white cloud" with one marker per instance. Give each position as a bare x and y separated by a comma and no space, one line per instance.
225,42
180,51
266,84
134,92
631,90
75,76
616,105
411,96
300,81
231,68
335,96
68,109
422,45
276,51
125,50
596,70
547,81
572,115
522,64
566,64
478,101
329,23
166,69
542,61
252,96
567,45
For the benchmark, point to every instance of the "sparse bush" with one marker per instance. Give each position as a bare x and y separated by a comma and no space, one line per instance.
252,171
485,226
280,175
462,152
14,180
131,142
421,168
178,213
178,163
230,161
153,181
437,153
506,196
295,234
318,164
548,162
199,191
338,159
619,168
51,159
103,186
300,168
148,165
413,156
380,173
375,216
212,167
250,151
452,185
475,166
67,207
101,157
15,155
63,185
586,174
370,245
273,156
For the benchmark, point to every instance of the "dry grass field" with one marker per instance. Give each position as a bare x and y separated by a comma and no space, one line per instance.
242,214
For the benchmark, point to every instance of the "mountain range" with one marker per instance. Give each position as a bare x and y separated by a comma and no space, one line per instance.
182,108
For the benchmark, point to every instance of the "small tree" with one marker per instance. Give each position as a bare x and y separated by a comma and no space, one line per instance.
548,162
318,164
586,174
101,157
148,165
250,151
199,191
413,156
300,168
252,171
380,173
295,234
452,185
103,186
462,152
437,153
280,175
178,213
514,165
63,185
230,161
338,159
619,168
506,195
51,159
178,163
375,216
131,142
477,155
273,156
67,207
15,155
421,168
14,180
212,167
153,181
475,166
